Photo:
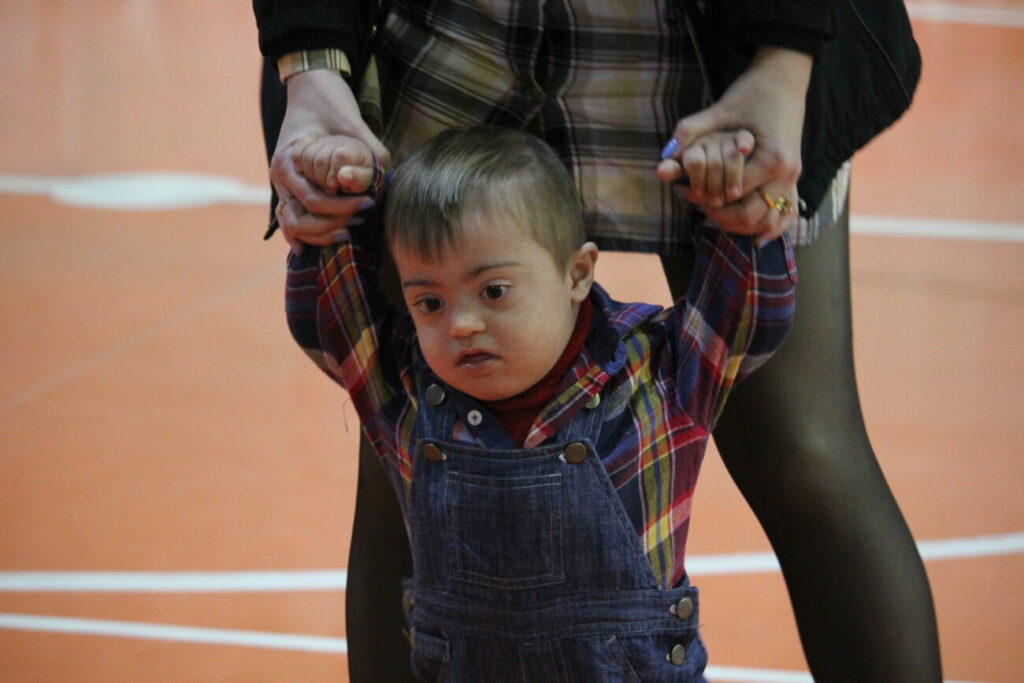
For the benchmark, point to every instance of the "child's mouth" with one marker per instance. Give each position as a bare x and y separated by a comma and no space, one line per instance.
476,359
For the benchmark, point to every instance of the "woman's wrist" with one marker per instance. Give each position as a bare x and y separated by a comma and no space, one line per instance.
324,95
789,69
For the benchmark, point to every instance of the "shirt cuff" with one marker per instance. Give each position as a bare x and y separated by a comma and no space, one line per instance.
307,60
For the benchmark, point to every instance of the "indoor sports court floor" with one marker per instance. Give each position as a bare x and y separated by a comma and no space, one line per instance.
176,478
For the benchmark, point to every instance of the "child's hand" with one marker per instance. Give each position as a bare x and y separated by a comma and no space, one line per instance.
337,163
714,165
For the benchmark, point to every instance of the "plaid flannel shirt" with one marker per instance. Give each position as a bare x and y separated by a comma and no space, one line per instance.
665,373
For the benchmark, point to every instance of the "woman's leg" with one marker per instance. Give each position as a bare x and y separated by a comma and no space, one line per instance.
793,438
378,560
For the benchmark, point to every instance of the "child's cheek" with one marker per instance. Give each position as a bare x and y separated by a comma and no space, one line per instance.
429,345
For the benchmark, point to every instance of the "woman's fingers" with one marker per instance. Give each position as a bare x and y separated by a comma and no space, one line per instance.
781,218
319,229
748,216
753,215
307,213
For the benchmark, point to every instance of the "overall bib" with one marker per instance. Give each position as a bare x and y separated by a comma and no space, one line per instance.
527,567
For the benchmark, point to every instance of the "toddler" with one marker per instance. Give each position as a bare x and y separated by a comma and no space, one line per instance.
544,440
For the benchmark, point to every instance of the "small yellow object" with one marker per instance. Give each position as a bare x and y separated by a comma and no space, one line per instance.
781,204
767,200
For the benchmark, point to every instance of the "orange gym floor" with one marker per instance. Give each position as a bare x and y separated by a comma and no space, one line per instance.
176,478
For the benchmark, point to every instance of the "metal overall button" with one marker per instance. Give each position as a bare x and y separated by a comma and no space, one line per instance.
436,395
474,417
575,453
432,453
677,655
683,609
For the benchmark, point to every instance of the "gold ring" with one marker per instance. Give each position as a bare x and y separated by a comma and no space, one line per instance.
781,203
280,204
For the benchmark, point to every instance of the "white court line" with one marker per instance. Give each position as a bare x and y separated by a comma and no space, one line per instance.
731,563
174,582
945,549
335,579
972,546
934,228
739,674
745,675
185,634
966,14
134,191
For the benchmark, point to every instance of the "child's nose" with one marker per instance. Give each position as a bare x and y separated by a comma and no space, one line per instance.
465,322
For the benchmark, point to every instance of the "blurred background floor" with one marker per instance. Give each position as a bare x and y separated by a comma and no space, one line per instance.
176,478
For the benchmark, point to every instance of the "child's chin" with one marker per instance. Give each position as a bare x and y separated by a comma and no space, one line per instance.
488,395
484,391
492,386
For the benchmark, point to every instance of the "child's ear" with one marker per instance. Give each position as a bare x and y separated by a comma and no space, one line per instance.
581,271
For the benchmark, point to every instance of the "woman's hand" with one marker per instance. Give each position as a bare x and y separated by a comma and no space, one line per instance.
768,100
321,106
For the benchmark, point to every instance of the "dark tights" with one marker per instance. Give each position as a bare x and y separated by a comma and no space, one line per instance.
378,560
793,438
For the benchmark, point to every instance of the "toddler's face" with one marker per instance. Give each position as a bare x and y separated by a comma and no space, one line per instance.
494,314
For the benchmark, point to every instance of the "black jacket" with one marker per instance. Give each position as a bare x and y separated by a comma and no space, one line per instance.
866,67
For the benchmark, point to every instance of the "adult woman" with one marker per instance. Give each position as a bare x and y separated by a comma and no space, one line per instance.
798,452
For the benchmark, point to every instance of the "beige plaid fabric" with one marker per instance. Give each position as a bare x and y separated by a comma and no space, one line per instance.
603,81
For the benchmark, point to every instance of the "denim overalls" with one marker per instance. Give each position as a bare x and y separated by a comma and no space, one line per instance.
527,567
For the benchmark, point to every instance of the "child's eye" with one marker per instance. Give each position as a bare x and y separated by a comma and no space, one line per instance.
429,304
494,292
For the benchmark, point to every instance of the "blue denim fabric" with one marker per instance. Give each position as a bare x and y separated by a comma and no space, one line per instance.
528,569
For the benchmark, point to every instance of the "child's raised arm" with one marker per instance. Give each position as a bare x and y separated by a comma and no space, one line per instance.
736,312
339,314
